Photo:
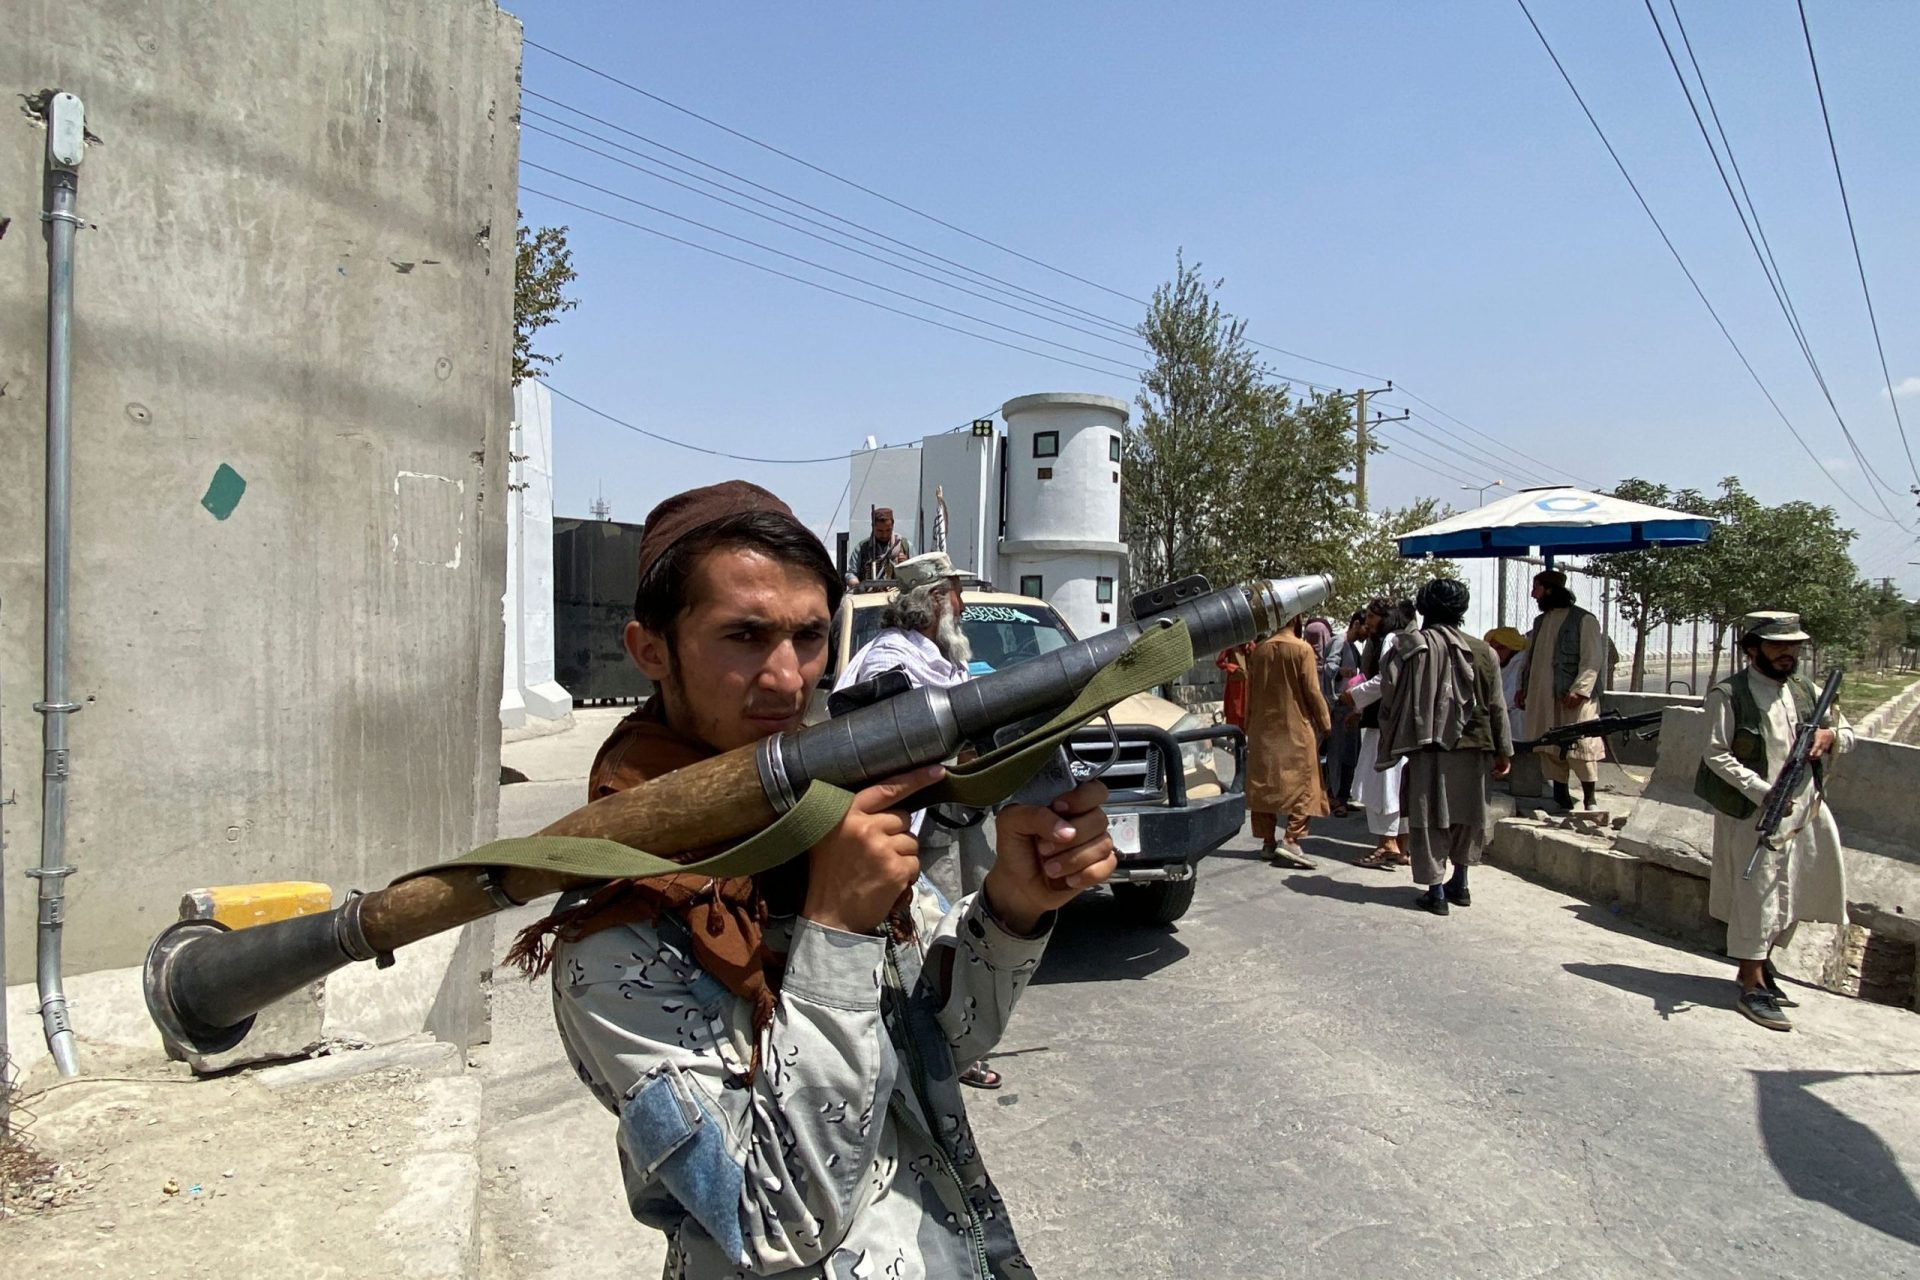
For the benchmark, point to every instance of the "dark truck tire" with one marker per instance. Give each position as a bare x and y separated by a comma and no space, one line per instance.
1155,901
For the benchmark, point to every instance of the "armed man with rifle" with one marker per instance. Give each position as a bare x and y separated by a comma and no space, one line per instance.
1560,685
1776,847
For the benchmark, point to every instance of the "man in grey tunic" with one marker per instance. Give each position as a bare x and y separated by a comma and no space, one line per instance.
1752,718
1443,711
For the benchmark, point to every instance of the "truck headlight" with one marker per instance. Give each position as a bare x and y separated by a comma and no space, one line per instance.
1194,756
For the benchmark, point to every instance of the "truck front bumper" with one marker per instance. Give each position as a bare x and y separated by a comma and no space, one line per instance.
1164,844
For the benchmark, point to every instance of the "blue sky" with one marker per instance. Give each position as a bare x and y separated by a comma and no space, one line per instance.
1406,189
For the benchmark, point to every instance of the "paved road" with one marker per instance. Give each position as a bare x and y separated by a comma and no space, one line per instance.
1307,1078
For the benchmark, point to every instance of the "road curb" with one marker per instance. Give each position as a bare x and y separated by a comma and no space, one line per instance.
1884,721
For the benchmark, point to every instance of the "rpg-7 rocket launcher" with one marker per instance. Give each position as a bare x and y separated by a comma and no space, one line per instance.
205,983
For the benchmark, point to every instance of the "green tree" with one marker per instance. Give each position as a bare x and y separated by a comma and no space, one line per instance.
1791,556
1200,404
1374,566
542,270
1290,507
1228,474
1660,585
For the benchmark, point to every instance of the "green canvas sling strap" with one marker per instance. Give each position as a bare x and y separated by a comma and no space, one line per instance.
1159,655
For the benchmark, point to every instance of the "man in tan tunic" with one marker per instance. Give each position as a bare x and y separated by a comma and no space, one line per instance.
1561,682
1752,718
1286,715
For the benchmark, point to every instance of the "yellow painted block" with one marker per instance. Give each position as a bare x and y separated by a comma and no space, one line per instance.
239,906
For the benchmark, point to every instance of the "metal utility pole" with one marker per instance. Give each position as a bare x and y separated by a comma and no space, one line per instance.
66,148
1360,443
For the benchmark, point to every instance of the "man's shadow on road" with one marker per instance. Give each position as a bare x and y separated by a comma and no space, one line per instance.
1397,893
1670,992
1827,1156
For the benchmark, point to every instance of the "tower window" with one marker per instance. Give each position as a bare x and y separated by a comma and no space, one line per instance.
1103,590
1046,473
1113,449
1046,444
1030,585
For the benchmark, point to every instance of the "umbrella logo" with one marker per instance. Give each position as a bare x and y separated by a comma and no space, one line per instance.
1566,506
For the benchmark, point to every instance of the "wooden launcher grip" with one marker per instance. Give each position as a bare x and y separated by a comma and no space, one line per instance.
710,803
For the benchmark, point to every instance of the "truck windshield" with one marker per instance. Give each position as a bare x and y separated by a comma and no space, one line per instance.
1003,635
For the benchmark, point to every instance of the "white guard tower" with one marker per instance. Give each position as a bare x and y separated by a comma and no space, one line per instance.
1062,511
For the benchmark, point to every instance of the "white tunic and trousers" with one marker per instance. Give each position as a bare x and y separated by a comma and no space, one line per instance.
1379,788
1804,878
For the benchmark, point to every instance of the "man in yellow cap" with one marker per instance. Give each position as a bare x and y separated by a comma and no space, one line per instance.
1508,644
1752,719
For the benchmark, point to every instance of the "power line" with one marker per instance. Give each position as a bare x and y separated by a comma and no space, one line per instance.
820,266
682,444
1688,272
1774,281
780,222
696,448
1775,276
1042,299
1448,467
1402,390
1115,325
1853,236
812,284
900,204
1403,448
1465,450
828,173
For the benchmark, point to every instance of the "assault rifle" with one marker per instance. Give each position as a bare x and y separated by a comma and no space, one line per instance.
205,983
1779,799
1604,726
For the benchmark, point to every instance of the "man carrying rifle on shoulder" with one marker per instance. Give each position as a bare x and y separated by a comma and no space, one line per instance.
1752,721
781,1050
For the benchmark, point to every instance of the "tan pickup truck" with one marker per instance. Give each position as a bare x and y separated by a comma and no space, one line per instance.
1169,808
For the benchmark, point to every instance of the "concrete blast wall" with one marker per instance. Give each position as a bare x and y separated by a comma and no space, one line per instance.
299,276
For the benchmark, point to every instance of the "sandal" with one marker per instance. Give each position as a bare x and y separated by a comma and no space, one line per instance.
1378,858
1340,811
981,1076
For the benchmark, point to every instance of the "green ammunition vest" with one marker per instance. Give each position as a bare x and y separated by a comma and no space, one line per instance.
1749,745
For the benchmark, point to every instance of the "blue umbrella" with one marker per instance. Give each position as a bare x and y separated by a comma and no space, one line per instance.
1555,521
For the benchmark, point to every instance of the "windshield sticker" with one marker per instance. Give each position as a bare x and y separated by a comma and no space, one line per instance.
998,613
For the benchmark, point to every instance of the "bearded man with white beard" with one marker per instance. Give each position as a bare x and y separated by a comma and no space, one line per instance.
921,636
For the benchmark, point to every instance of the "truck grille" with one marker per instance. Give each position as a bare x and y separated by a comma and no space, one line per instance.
1137,776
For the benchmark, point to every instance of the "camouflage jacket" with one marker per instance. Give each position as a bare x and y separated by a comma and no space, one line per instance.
850,1153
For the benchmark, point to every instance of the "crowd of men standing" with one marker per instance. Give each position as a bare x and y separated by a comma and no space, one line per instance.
1409,717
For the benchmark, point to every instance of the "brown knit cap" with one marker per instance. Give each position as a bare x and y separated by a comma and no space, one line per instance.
694,510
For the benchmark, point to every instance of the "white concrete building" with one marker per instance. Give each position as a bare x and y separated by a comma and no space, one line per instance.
1036,510
528,693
